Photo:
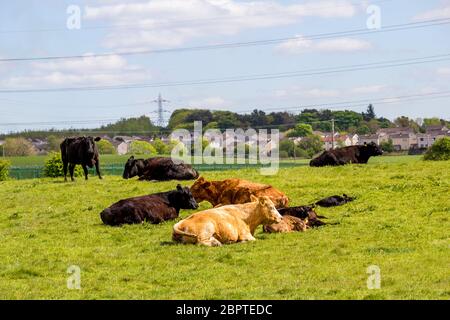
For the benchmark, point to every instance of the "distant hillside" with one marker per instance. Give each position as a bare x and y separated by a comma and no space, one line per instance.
350,121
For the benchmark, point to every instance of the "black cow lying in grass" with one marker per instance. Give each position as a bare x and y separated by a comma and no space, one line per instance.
334,201
153,208
304,213
158,168
347,155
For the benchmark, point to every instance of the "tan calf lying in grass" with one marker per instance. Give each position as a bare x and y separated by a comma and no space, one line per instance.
227,224
235,191
287,224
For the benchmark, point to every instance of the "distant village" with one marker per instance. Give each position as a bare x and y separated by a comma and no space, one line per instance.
402,139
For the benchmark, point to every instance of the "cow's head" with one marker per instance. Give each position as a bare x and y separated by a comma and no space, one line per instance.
182,198
90,149
131,168
203,190
134,167
267,210
373,149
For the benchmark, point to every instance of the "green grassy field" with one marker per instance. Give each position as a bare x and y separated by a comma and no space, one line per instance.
400,222
40,160
121,159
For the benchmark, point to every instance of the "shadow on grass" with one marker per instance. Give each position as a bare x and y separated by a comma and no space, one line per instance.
168,243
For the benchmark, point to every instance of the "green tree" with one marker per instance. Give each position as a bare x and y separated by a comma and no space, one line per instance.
142,147
160,147
364,129
106,147
53,166
387,146
311,145
287,148
18,147
300,130
54,143
440,150
427,122
369,114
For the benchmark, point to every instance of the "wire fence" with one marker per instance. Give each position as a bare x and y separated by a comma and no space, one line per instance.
33,172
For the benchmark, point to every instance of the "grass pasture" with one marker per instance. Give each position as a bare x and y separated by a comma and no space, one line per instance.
400,222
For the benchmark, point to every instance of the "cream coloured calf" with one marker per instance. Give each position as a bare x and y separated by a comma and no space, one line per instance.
227,224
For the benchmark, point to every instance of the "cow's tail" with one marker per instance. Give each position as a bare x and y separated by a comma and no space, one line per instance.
178,234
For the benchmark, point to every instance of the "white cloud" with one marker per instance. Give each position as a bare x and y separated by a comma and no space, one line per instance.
444,71
209,102
302,45
313,93
439,13
171,23
86,71
297,91
369,89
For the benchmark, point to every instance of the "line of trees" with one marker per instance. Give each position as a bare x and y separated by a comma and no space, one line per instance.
345,120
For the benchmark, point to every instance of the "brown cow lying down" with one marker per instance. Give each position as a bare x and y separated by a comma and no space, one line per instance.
153,208
235,191
288,224
226,224
306,213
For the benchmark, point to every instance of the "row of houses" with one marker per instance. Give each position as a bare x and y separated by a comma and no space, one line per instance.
402,138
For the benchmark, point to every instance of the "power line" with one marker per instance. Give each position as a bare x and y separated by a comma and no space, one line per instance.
333,105
354,32
267,76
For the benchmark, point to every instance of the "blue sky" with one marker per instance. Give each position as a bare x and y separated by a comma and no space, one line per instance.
38,29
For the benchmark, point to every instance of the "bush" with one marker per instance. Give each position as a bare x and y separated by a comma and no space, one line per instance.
105,147
160,147
16,147
440,150
311,145
54,167
142,147
387,146
283,154
4,169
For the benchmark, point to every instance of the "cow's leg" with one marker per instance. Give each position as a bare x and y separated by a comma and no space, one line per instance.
211,242
65,163
97,169
71,169
86,173
246,237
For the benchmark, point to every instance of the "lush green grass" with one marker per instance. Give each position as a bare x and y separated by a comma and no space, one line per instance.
40,160
400,222
116,159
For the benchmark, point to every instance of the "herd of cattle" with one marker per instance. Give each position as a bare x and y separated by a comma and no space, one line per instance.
239,206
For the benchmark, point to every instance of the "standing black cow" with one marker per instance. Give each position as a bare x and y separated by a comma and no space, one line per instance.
80,150
158,168
346,155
